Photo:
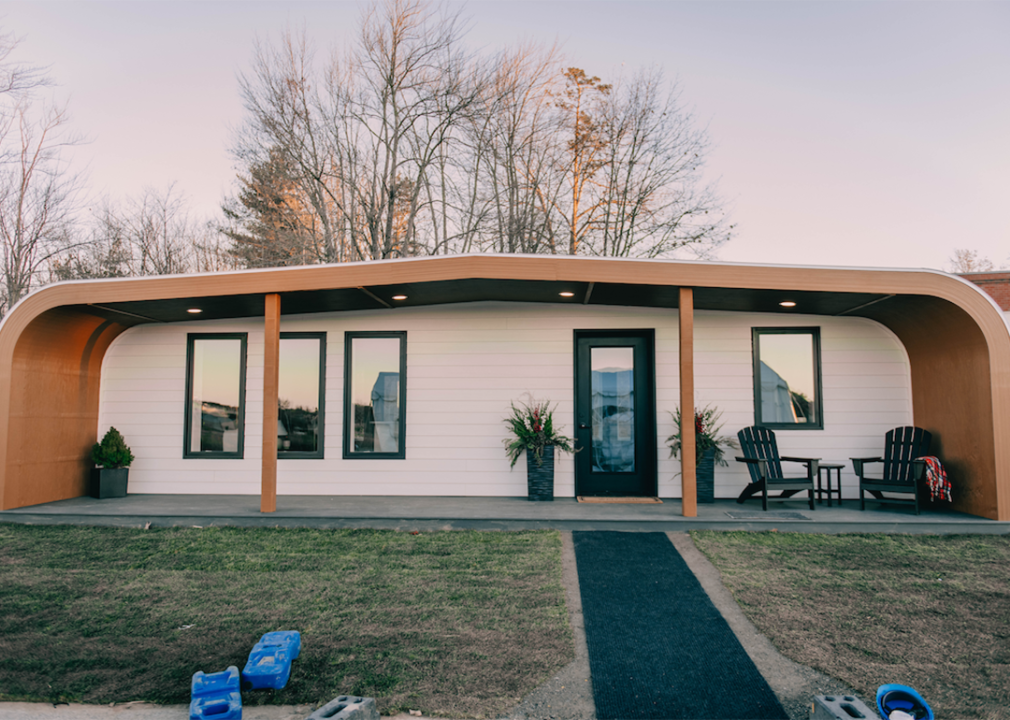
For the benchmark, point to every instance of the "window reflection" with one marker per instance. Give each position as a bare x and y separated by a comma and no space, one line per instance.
216,367
788,392
613,409
375,394
299,394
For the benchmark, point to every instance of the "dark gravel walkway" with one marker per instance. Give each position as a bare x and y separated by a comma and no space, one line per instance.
658,647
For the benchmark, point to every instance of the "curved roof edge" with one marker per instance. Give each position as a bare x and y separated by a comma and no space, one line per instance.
505,267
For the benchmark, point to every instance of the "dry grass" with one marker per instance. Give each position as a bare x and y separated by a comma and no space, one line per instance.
452,624
932,612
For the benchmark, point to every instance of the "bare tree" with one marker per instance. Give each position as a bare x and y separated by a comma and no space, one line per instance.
511,139
102,256
152,233
158,230
211,251
36,191
365,148
17,78
408,144
969,261
149,234
584,151
414,79
652,199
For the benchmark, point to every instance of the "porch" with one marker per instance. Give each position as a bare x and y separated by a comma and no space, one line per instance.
493,513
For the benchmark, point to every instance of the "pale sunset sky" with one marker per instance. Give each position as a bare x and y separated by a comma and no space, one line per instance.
843,133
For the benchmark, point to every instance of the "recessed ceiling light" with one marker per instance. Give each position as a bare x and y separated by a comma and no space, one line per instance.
567,294
787,303
399,297
195,311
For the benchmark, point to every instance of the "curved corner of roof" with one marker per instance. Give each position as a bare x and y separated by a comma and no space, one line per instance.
978,291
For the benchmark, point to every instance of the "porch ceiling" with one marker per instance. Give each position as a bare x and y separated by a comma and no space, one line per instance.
377,297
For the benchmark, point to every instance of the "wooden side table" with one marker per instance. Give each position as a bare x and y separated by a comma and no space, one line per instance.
824,472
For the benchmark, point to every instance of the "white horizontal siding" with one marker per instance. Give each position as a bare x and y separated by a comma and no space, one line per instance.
465,364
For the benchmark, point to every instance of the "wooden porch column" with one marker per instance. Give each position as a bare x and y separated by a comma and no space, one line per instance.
689,489
271,379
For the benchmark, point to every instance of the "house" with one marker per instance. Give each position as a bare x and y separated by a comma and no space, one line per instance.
393,377
996,284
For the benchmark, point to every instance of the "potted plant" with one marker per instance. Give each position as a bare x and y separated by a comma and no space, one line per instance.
112,458
710,448
532,429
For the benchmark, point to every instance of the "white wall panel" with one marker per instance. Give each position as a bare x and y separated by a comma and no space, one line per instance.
465,363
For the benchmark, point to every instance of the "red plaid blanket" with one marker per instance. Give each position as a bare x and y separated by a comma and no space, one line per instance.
936,478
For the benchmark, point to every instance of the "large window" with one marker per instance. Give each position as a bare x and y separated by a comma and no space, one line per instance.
787,378
215,395
375,393
300,395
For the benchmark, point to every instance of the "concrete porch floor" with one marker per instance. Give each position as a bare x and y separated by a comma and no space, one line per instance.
493,513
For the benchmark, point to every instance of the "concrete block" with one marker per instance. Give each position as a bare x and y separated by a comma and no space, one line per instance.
840,707
347,707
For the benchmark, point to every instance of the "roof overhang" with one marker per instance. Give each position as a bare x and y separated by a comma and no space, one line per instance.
509,278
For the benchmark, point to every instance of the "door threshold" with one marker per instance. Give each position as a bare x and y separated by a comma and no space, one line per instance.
613,500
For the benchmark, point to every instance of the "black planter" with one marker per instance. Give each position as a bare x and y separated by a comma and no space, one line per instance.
540,478
705,476
108,482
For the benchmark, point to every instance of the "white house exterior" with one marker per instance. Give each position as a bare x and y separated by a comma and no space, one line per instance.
215,379
465,364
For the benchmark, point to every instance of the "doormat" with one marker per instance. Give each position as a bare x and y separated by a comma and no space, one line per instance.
770,515
620,500
658,648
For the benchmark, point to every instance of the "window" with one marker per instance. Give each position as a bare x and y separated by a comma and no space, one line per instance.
301,395
375,394
787,378
215,395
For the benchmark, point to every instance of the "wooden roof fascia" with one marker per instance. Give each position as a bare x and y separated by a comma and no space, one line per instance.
497,267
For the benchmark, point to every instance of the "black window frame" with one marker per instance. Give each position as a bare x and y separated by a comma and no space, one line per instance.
348,430
815,333
191,339
318,454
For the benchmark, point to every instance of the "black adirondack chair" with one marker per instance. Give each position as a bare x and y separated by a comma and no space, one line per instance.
761,453
901,472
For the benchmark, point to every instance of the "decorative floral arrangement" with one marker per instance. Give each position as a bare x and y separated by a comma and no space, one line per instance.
112,452
532,429
706,435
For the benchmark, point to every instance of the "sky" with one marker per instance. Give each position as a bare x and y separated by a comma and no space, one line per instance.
868,134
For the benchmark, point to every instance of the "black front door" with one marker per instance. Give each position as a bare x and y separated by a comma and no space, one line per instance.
615,413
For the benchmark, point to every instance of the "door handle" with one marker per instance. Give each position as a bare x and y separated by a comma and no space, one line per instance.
583,427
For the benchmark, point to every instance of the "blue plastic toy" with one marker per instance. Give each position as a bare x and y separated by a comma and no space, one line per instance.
897,699
269,664
215,696
292,639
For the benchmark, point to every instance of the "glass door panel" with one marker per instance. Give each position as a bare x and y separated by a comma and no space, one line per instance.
613,409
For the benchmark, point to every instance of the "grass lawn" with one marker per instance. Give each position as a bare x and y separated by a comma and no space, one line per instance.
449,623
932,612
